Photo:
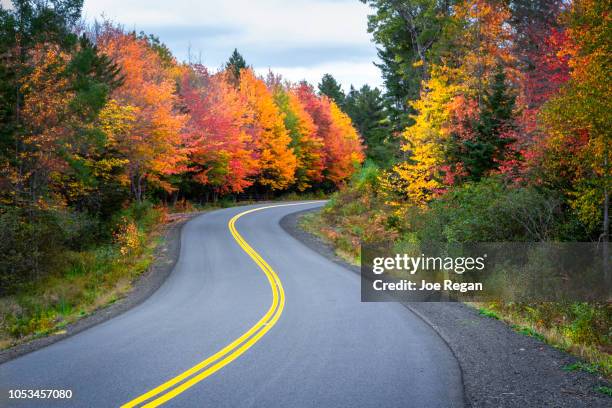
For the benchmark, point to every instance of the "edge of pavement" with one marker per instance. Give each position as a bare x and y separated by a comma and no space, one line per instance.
499,367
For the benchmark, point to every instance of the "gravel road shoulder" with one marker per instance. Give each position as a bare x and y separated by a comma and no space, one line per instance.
501,368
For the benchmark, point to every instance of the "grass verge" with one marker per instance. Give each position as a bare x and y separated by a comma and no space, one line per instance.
84,282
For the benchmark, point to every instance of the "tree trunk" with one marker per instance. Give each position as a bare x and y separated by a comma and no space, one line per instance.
606,225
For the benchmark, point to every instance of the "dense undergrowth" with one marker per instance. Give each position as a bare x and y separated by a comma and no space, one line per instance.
364,212
75,280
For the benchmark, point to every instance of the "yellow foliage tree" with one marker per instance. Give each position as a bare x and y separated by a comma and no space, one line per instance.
419,178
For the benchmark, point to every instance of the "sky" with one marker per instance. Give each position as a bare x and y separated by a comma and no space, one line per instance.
299,39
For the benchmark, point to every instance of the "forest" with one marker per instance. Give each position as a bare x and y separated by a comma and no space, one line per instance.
493,126
94,118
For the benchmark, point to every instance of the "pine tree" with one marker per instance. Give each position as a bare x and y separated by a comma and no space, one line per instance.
367,111
332,89
493,131
234,65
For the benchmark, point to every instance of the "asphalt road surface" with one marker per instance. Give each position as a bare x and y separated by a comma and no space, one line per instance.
250,317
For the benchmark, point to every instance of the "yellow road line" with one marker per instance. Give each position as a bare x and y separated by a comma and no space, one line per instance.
237,347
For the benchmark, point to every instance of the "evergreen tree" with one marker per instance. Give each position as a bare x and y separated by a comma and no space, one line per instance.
406,34
234,65
332,89
162,50
493,131
367,111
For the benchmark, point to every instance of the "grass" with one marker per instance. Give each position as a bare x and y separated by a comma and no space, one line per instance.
581,366
578,329
528,331
488,313
604,390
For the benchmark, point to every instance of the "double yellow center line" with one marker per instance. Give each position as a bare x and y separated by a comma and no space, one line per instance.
232,351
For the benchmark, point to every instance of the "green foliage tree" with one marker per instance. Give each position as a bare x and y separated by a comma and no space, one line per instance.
234,65
332,89
367,111
162,50
405,32
493,132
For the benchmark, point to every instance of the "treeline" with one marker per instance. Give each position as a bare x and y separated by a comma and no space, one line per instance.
94,117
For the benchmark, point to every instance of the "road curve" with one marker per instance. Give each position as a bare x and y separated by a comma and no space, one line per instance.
324,347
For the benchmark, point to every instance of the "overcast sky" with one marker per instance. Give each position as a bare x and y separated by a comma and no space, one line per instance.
300,39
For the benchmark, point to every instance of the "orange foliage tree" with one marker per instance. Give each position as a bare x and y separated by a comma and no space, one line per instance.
141,117
306,144
343,145
271,141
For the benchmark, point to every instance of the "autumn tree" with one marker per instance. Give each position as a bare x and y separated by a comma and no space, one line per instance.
215,137
425,173
53,85
142,118
578,118
271,141
306,144
35,41
342,145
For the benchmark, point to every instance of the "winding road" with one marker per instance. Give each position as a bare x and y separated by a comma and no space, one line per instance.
250,317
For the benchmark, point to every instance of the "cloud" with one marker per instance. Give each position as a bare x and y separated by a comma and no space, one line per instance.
297,36
357,74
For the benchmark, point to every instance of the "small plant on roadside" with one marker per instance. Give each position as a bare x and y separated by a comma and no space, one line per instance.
604,390
580,366
488,313
528,331
127,237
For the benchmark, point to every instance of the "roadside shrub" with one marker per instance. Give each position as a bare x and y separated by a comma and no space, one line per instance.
79,230
489,211
590,323
367,177
30,242
144,214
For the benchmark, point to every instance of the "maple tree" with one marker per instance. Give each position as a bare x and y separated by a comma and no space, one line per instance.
578,117
149,134
271,141
342,144
306,144
215,138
